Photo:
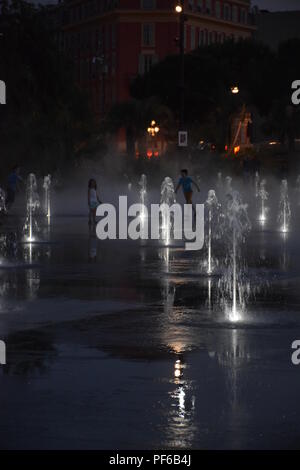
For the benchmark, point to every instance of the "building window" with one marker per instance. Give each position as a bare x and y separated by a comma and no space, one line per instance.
201,38
227,12
200,5
243,16
113,62
191,4
193,38
148,34
218,9
148,4
113,36
146,62
235,13
208,6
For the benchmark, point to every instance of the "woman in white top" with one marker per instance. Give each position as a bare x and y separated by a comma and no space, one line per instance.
93,201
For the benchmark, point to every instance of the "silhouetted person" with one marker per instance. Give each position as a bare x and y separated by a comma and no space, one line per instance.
93,201
14,179
186,183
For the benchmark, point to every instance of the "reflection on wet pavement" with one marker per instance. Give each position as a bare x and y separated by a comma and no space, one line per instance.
125,345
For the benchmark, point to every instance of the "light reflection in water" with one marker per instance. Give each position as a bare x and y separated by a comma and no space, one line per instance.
181,425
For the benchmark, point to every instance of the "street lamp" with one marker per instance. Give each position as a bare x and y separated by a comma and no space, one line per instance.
180,10
235,90
153,129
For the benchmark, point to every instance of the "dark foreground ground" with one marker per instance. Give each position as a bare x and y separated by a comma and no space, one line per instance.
92,346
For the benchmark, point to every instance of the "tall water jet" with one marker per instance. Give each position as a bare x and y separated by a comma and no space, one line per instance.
228,185
284,215
298,190
213,208
167,198
2,201
238,224
47,201
32,204
129,184
256,184
219,183
143,196
263,195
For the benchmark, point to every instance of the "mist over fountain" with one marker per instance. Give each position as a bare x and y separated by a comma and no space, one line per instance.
32,205
284,214
167,198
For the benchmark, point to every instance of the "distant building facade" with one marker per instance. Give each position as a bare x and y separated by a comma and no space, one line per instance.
112,41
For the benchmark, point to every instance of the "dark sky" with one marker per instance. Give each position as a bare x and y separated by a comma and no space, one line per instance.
277,4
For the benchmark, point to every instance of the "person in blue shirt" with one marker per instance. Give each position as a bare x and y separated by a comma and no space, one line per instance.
12,185
186,183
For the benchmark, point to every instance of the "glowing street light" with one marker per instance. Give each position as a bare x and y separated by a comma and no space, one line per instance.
153,129
178,8
235,90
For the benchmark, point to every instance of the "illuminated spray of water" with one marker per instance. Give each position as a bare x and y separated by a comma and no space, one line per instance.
213,208
47,194
263,195
256,184
284,215
237,225
143,196
32,205
167,198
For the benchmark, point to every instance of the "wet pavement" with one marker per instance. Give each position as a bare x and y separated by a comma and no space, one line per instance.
125,345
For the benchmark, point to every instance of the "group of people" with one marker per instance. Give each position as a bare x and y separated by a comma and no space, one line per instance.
185,182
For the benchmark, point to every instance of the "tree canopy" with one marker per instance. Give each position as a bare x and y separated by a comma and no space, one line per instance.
264,79
47,117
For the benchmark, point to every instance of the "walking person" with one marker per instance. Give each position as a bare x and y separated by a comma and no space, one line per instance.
93,201
186,183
